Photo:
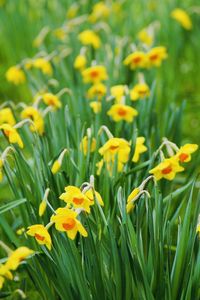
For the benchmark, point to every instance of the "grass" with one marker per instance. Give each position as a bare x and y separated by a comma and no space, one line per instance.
149,253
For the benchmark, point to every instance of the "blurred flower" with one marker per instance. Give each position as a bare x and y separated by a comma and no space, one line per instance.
89,37
59,33
80,62
97,90
66,221
114,148
43,65
12,135
139,148
85,144
184,153
167,169
15,75
94,74
135,60
96,106
156,55
145,37
4,273
33,114
182,17
120,112
17,256
139,91
51,100
118,92
6,116
99,11
40,233
72,11
74,196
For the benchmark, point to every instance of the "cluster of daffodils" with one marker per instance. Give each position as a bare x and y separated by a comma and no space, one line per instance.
14,259
168,167
67,219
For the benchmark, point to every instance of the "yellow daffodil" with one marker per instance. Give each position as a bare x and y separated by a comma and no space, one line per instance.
6,116
118,92
33,114
97,90
96,106
84,145
135,60
94,74
12,135
41,234
145,37
51,100
65,220
75,197
94,195
60,34
130,201
139,148
80,62
182,18
139,91
58,162
99,11
55,167
4,273
184,153
156,55
17,256
44,65
167,169
120,112
89,37
112,149
72,11
15,75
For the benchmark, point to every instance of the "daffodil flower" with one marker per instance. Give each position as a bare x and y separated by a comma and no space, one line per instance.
74,196
139,91
94,74
120,112
98,90
17,256
33,114
89,37
167,169
66,220
156,55
41,235
15,75
184,153
12,134
135,60
182,17
51,100
139,148
6,116
84,145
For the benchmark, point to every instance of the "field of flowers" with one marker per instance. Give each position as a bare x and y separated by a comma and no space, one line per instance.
99,150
